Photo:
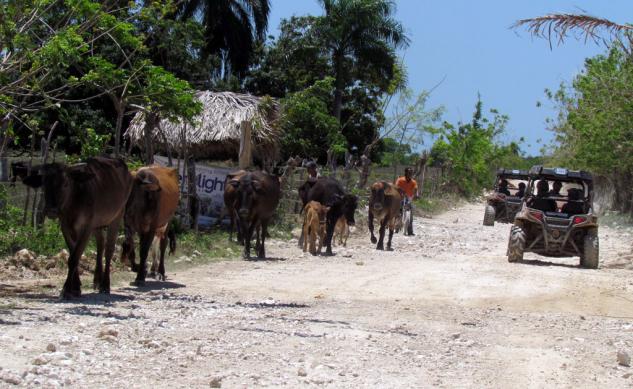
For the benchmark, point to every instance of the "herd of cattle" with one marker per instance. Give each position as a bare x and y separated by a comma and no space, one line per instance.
92,198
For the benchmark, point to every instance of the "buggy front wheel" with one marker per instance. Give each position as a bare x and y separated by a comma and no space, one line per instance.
516,244
591,250
489,216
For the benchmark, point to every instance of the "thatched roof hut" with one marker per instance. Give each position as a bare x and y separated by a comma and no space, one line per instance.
215,133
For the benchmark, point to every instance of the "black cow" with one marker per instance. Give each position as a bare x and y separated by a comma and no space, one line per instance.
257,197
86,198
330,193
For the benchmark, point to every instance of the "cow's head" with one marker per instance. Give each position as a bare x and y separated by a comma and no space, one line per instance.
347,204
247,187
377,198
58,181
147,181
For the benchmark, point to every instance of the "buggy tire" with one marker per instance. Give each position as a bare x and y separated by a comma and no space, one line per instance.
591,250
489,216
516,244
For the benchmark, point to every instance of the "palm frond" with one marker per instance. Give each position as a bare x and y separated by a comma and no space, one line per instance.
559,27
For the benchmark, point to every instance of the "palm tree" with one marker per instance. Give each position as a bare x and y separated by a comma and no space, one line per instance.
560,26
232,28
359,34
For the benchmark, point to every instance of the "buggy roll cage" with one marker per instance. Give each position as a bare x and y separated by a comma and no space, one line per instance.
582,177
513,174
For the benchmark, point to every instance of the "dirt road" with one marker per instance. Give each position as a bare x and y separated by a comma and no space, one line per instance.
445,309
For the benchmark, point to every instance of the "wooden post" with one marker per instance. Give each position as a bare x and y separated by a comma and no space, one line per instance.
246,146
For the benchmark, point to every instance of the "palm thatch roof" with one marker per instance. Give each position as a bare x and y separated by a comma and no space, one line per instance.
215,133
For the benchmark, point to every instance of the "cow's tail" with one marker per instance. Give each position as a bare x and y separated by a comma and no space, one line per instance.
171,235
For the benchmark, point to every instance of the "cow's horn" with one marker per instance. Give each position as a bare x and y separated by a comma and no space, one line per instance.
79,165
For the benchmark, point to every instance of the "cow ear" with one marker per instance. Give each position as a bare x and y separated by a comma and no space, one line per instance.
33,181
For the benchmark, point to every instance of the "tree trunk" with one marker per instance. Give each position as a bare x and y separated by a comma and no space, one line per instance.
119,107
151,118
192,200
349,165
246,146
339,85
365,163
4,137
331,162
420,170
38,213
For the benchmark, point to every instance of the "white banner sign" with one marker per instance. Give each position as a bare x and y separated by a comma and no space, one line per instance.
210,189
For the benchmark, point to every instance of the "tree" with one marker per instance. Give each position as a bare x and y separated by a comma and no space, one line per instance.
359,34
300,57
232,29
292,62
307,124
60,54
470,152
594,126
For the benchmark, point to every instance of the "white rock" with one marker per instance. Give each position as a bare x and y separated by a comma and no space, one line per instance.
624,358
216,382
41,360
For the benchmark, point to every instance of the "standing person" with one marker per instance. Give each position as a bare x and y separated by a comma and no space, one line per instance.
409,187
311,168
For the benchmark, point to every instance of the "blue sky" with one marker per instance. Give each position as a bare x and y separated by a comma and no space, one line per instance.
470,43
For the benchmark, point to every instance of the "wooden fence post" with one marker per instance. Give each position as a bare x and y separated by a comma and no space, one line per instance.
246,152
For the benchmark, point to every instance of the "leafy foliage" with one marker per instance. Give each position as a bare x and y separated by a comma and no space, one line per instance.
471,152
58,55
307,124
594,129
360,37
46,241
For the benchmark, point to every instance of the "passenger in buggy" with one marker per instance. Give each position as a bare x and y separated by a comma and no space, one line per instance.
503,187
521,192
574,206
541,201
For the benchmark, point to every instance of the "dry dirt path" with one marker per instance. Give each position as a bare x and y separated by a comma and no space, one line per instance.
445,309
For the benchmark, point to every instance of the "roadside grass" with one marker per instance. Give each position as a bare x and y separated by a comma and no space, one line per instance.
435,205
615,220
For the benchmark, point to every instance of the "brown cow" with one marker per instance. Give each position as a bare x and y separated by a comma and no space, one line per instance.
384,205
314,216
86,197
230,200
156,251
258,194
152,204
341,230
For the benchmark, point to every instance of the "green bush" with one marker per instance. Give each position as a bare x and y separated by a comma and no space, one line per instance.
45,241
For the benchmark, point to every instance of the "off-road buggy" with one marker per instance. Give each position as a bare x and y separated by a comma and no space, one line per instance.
503,207
556,224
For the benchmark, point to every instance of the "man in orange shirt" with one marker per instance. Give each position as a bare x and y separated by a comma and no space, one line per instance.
408,185
409,188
